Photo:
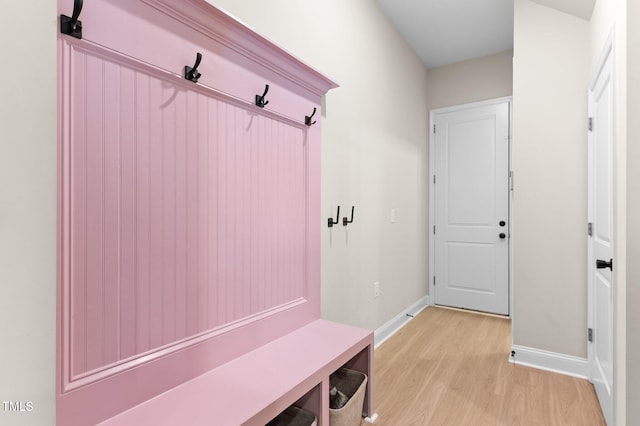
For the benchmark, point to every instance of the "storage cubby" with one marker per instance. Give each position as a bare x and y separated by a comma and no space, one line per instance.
312,402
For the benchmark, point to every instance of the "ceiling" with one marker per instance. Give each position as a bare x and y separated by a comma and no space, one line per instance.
444,32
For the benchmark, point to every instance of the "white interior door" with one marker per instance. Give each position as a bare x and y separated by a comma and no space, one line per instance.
471,187
601,238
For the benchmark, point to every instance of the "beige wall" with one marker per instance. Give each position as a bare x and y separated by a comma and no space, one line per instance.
28,210
550,70
534,297
479,79
374,150
633,218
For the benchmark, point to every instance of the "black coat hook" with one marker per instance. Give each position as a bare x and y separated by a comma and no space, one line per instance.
345,222
71,26
307,118
192,74
260,99
332,222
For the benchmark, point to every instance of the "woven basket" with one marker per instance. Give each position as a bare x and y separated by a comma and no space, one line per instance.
353,384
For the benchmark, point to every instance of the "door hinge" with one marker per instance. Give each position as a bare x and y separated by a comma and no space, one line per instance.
434,128
590,229
591,124
434,230
434,179
434,280
590,335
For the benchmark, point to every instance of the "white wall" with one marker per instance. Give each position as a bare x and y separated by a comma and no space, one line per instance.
550,71
478,79
601,25
374,150
28,210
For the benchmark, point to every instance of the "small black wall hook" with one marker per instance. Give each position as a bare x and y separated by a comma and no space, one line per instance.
307,118
332,222
260,99
345,222
192,74
71,26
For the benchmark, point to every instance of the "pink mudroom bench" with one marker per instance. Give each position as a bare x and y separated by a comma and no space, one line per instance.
189,222
255,387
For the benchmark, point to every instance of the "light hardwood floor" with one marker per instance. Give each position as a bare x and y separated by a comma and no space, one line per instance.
449,367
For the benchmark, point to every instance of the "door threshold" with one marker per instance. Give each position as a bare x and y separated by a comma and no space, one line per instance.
471,311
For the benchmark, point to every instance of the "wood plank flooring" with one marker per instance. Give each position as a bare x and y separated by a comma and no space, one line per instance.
449,367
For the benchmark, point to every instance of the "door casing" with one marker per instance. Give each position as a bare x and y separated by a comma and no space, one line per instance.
432,168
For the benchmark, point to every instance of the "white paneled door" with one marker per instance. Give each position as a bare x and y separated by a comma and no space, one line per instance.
471,184
600,260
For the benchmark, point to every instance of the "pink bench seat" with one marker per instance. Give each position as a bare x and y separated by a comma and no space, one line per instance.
254,388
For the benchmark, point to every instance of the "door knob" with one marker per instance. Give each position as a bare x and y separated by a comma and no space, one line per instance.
601,264
502,223
502,235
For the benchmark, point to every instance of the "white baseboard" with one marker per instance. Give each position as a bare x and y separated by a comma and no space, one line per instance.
371,419
550,361
389,328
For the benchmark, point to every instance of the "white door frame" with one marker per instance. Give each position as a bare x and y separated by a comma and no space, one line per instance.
432,168
608,53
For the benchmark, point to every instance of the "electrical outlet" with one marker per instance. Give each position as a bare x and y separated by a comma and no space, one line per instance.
376,289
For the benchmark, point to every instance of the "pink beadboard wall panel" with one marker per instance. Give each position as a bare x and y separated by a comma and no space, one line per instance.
189,217
253,206
186,222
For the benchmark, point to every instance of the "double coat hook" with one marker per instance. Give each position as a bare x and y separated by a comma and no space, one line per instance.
332,222
70,25
260,99
307,118
345,222
191,73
